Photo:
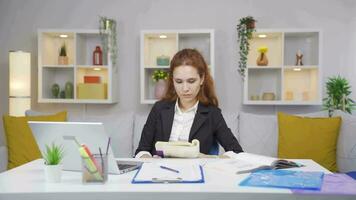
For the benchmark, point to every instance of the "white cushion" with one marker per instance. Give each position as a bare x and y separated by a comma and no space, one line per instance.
346,146
3,158
119,127
258,134
139,122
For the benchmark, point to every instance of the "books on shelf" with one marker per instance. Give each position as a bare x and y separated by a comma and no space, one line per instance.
247,162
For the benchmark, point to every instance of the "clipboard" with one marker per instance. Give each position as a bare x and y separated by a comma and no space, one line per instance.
163,180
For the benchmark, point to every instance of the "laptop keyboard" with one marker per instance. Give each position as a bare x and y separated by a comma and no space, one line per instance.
124,166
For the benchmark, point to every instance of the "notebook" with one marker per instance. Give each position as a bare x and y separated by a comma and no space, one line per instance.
285,179
333,184
165,172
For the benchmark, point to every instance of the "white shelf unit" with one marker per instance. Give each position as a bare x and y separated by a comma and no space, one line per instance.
290,84
152,46
80,45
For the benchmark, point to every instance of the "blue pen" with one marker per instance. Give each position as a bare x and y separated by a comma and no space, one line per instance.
169,169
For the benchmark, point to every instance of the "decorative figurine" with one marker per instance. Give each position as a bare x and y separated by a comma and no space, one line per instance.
299,57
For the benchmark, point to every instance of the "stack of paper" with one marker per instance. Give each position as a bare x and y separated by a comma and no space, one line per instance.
163,172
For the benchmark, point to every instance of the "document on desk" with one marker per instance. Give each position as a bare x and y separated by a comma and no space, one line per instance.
247,162
169,173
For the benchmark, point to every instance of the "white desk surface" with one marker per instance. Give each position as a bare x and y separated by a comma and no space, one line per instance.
28,182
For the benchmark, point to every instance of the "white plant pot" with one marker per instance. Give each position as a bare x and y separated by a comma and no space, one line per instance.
53,173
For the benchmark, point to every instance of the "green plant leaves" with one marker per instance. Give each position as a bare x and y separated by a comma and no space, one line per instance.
159,74
244,33
53,154
338,91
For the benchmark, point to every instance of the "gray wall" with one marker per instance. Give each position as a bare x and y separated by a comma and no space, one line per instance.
20,19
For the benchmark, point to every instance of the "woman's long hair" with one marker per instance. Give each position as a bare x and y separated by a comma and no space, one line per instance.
192,57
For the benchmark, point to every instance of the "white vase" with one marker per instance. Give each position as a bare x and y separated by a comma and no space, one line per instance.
53,173
160,88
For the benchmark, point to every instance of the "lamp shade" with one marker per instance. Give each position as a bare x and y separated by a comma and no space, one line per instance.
20,82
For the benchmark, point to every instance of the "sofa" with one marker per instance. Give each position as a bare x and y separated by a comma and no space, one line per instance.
256,134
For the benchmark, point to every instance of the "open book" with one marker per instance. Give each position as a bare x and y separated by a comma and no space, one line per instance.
247,162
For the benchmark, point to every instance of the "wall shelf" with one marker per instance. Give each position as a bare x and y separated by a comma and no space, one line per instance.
153,46
80,45
288,83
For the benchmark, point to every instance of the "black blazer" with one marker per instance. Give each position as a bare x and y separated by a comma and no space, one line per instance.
208,126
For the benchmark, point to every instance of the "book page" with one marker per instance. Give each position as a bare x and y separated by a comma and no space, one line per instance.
254,158
242,163
175,171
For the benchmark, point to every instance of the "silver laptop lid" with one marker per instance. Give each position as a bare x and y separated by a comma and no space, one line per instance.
91,134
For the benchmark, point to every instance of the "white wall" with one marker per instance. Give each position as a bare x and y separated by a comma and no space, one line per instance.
20,19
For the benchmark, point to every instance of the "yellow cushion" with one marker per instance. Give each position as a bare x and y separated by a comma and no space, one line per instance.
309,138
22,147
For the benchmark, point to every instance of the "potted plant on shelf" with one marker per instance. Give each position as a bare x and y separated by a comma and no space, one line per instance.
107,28
63,58
160,77
53,167
245,28
338,93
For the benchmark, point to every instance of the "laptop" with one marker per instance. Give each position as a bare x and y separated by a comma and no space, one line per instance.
92,134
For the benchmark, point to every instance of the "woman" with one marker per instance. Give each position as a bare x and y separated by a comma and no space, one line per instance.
188,111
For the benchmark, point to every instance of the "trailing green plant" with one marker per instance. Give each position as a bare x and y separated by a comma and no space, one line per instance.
63,50
338,93
107,28
159,74
53,154
245,28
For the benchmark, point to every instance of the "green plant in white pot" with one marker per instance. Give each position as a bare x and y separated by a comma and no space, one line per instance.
53,157
338,93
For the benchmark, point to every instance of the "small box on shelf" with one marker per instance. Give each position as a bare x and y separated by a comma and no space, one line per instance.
92,91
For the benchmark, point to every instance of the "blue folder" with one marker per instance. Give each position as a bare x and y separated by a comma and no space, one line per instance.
285,179
175,180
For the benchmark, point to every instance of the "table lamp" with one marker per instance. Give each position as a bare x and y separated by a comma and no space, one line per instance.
19,82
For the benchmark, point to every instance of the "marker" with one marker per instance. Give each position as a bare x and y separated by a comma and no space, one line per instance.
169,169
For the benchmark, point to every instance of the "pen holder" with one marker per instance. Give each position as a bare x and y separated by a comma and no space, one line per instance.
95,169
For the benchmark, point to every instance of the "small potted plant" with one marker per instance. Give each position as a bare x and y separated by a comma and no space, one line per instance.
245,28
53,156
160,77
338,93
63,58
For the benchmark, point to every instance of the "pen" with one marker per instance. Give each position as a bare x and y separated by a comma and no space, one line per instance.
169,169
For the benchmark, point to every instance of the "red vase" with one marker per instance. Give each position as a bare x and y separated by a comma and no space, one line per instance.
97,56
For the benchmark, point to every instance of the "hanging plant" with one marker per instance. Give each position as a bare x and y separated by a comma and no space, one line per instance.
245,28
338,93
108,38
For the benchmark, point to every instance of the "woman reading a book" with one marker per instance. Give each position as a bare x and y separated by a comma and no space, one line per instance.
189,110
